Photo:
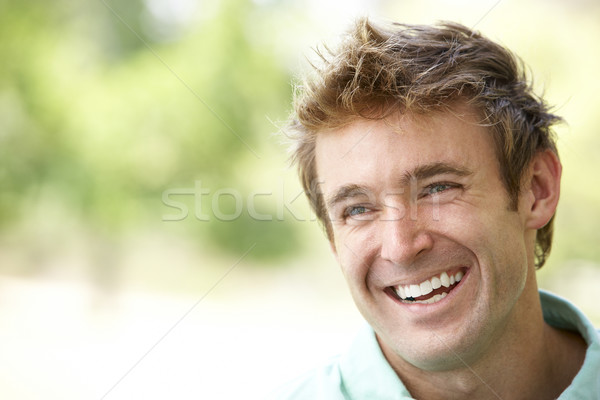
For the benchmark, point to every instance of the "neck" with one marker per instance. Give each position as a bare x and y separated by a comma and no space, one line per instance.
531,360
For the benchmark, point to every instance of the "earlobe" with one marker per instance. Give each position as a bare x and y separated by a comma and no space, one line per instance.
545,187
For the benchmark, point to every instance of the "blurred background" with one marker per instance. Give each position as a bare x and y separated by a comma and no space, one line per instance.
155,243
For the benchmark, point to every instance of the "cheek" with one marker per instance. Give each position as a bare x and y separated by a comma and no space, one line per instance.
512,255
477,222
357,249
496,240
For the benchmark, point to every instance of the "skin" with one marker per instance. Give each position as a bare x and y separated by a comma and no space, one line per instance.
410,197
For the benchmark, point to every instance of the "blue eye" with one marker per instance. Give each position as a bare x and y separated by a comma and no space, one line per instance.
357,210
438,187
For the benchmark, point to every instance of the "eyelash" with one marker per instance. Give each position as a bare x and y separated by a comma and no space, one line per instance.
348,211
447,186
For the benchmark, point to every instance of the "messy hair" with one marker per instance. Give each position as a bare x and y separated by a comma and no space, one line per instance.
377,71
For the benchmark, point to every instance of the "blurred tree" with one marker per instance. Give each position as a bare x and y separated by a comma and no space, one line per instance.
105,106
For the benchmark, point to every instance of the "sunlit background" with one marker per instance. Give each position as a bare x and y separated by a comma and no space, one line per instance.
154,242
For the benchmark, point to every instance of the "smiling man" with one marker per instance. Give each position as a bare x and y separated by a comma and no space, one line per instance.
433,168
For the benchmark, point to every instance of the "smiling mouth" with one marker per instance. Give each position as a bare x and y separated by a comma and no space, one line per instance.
429,291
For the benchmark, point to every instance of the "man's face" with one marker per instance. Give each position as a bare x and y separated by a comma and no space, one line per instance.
417,202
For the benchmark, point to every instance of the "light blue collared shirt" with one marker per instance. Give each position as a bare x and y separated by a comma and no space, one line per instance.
364,373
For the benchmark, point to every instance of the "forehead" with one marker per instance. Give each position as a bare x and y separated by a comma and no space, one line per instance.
369,152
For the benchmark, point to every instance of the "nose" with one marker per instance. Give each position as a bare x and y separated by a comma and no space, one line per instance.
404,239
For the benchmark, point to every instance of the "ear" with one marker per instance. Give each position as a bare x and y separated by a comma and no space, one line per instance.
544,189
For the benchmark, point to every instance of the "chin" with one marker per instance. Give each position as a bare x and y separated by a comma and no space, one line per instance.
433,351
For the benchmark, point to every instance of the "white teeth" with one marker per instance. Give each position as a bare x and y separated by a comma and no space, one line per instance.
445,279
459,275
415,291
401,292
432,300
426,288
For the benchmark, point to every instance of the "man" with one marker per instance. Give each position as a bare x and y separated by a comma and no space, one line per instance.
433,167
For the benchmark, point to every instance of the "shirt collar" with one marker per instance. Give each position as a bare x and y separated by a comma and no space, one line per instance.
366,374
562,314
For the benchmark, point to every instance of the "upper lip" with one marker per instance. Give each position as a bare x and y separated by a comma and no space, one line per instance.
422,278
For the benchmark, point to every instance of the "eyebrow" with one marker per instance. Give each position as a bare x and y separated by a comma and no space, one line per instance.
430,170
421,172
346,192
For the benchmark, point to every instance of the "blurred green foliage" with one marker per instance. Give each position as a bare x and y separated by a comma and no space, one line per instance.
105,105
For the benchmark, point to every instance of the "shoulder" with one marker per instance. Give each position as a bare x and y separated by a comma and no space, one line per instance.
321,383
